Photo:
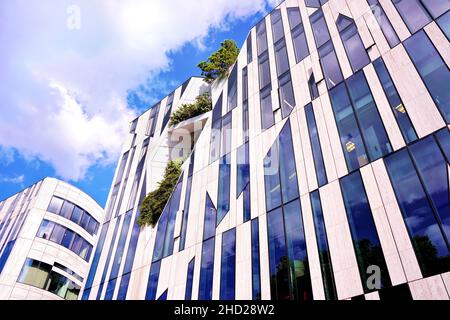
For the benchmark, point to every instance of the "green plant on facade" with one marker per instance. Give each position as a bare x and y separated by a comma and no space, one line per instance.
218,63
154,203
201,105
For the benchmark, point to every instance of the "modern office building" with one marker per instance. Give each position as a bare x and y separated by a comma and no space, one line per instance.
47,236
321,173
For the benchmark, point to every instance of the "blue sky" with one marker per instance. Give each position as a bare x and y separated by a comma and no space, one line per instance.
74,73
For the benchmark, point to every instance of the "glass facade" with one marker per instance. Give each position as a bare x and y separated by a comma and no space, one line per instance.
345,119
395,101
433,70
315,145
322,244
41,275
69,211
256,269
419,175
362,133
364,233
228,268
299,41
189,280
206,270
65,237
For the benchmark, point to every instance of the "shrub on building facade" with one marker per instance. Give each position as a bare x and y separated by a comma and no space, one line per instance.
201,105
154,203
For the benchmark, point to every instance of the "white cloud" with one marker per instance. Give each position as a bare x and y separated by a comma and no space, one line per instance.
15,180
63,92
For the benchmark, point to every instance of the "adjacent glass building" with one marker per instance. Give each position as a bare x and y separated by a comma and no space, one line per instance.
47,235
322,171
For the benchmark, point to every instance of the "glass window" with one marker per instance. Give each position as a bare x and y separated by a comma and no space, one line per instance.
256,269
320,29
294,17
226,134
352,144
413,13
189,280
433,70
160,235
232,88
209,226
92,227
153,278
68,238
223,197
395,101
66,210
206,270
278,259
185,220
354,47
427,238
249,49
55,205
58,233
288,260
277,25
298,34
77,244
444,24
433,170
34,273
261,37
85,220
330,65
245,120
364,233
272,178
244,84
118,256
313,90
121,169
288,171
315,145
264,71
76,215
281,58
322,245
108,257
95,261
246,203
243,168
301,48
286,95
45,230
123,288
267,116
436,7
372,127
86,249
443,138
228,268
296,246
215,140
384,23
312,3
174,203
280,172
